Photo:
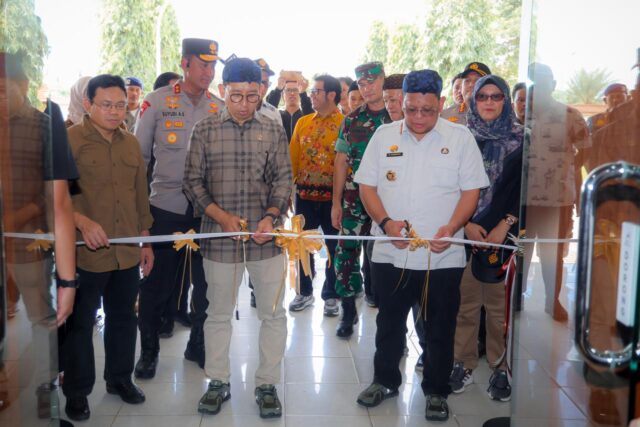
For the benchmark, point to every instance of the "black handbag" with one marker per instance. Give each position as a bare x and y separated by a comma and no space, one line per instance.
486,265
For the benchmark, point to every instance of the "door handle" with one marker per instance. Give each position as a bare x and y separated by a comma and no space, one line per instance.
600,175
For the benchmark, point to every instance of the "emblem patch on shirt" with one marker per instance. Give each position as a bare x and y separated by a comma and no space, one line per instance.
172,102
213,107
391,176
178,124
393,148
168,124
453,119
176,88
172,138
445,150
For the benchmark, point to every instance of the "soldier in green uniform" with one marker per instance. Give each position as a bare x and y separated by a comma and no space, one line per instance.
347,213
163,128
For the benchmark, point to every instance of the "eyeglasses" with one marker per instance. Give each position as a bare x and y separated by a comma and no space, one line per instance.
107,106
316,91
428,112
291,91
495,97
251,98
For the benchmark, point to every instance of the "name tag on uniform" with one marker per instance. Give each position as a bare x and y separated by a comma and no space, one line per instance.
394,154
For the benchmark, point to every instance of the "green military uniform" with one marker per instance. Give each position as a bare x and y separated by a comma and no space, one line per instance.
355,133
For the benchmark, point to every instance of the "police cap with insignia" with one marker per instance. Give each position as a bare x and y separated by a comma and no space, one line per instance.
11,67
241,70
475,67
423,81
133,81
260,62
369,71
394,81
204,49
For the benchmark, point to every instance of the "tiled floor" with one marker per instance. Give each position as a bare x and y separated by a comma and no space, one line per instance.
322,376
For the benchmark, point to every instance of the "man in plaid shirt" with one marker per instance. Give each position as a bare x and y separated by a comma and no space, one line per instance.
238,167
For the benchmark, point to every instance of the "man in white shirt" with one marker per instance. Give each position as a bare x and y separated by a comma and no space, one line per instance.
427,172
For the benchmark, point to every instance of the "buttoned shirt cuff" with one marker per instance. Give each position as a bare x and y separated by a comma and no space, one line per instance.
201,205
279,203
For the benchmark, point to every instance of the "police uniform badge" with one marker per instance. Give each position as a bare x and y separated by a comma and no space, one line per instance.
172,138
391,176
393,148
453,119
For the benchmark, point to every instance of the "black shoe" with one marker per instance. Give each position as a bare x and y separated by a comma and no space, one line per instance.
166,328
146,366
349,318
437,408
195,347
183,318
77,408
128,392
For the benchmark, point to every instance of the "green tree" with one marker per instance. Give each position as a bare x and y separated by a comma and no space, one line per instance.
21,32
507,34
406,42
585,86
378,45
129,24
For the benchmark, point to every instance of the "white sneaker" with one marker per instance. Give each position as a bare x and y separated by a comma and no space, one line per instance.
331,307
300,302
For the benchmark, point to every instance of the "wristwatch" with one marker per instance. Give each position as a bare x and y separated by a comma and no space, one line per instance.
62,283
274,217
510,220
384,222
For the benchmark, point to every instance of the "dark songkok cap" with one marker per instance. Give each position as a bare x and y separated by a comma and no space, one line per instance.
11,66
369,71
264,66
206,50
353,86
133,81
394,81
240,70
615,87
423,81
475,67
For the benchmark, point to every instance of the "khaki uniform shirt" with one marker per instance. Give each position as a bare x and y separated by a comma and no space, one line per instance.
113,193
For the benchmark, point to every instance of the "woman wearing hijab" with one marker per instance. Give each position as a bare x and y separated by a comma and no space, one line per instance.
492,122
76,109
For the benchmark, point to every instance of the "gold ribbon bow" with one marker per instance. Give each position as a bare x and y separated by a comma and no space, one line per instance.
39,244
179,244
298,248
190,246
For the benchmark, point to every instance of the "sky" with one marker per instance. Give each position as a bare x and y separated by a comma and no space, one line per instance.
330,36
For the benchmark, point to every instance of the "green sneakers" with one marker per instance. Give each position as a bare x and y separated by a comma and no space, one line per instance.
216,394
375,394
268,402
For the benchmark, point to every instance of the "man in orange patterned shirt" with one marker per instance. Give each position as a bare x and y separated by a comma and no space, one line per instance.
312,151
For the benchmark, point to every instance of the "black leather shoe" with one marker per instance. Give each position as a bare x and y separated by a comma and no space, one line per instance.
77,408
166,328
146,366
128,392
195,346
349,317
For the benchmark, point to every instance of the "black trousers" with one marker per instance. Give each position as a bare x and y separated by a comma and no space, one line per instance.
318,214
443,301
118,289
166,277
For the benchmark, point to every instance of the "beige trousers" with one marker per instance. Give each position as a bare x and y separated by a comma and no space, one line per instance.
473,295
266,276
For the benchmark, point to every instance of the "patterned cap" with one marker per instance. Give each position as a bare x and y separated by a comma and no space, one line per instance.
394,81
264,66
369,71
475,67
423,81
206,50
133,81
240,70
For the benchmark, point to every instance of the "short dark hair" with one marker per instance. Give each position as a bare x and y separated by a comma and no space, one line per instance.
331,84
347,80
516,88
104,81
456,77
164,79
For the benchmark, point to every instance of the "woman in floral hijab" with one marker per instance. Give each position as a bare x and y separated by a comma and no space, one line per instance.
492,122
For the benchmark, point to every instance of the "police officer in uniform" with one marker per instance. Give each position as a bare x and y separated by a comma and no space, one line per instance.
457,113
163,128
